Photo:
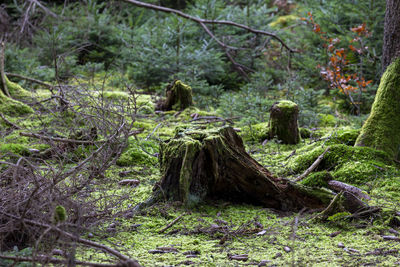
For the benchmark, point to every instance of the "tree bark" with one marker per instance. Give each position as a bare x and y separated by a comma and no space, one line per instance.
283,122
178,97
208,165
391,39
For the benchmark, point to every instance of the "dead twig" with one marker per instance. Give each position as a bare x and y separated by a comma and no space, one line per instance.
171,223
47,259
29,79
313,166
9,122
73,237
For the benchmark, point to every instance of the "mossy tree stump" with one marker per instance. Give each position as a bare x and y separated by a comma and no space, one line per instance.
208,165
283,122
178,97
382,128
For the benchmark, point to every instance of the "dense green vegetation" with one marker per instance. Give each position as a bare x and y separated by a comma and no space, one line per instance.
107,64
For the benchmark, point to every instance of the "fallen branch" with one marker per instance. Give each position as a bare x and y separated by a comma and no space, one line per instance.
9,122
312,167
171,223
29,79
340,186
47,259
89,243
62,140
71,141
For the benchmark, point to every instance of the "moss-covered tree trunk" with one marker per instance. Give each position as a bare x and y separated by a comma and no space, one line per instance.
178,97
382,128
207,165
283,122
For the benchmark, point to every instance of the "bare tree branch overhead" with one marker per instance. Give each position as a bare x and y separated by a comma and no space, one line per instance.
202,22
206,21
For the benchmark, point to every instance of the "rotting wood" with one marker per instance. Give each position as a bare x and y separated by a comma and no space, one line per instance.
201,165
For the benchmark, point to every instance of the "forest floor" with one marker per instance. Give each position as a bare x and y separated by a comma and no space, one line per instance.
233,234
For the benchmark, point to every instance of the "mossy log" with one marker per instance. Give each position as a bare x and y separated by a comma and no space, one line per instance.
382,128
206,165
283,122
178,97
11,106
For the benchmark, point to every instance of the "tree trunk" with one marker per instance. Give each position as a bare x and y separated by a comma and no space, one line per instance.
391,39
382,128
178,97
283,122
208,165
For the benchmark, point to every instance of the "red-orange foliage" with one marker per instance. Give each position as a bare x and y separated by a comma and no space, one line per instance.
338,71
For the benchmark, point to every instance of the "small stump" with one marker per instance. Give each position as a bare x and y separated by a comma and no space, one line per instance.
178,97
283,122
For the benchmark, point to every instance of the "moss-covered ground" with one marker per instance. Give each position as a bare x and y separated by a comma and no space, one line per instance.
209,234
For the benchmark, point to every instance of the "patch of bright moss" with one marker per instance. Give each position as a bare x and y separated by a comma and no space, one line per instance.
283,21
317,179
327,120
18,149
256,132
348,164
139,152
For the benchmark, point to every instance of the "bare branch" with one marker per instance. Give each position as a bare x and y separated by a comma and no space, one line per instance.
29,79
205,21
46,259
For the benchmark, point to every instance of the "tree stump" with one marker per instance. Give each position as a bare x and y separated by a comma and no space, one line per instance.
178,97
283,122
213,164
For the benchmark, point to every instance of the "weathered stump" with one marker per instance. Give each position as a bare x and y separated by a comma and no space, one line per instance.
283,122
207,165
178,97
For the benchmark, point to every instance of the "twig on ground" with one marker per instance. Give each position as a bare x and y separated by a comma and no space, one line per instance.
89,243
9,122
46,259
312,167
171,223
29,79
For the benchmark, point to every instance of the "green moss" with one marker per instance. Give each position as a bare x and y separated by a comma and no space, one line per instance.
348,164
317,179
139,152
283,21
283,122
60,214
305,133
327,120
13,107
16,90
18,149
256,132
382,128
